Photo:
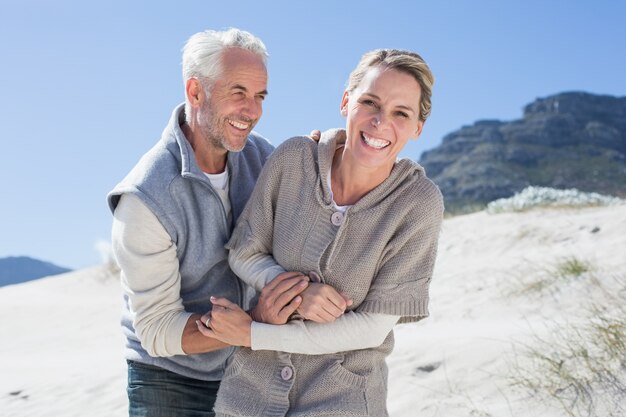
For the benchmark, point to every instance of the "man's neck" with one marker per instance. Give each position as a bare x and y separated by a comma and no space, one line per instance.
209,159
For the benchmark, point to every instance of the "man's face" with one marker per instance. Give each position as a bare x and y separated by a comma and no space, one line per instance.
235,102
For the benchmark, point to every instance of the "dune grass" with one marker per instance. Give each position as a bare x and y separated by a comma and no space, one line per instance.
579,365
548,279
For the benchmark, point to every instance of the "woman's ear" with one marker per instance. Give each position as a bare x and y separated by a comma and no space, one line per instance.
344,104
418,131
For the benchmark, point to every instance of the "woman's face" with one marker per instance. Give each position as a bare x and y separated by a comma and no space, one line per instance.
382,115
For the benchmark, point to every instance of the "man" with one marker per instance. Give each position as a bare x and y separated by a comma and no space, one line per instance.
174,212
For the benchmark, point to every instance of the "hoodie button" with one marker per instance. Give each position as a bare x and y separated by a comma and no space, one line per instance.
314,277
286,373
337,218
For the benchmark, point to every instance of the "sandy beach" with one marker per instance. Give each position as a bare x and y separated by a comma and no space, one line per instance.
501,288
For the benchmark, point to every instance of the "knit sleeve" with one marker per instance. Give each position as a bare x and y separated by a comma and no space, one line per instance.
351,331
252,238
402,283
257,270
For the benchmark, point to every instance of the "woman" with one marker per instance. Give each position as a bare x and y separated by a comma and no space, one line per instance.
350,215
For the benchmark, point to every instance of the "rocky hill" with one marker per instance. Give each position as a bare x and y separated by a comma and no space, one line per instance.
569,140
18,269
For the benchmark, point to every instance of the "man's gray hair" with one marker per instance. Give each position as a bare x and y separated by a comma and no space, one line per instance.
202,53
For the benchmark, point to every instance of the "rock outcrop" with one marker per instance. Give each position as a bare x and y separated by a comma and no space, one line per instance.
569,140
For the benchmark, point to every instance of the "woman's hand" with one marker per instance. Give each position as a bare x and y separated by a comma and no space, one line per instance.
322,303
227,322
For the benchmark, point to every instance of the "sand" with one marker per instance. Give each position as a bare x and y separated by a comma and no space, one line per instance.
61,350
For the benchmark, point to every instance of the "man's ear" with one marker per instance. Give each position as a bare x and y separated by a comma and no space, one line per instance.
344,103
194,91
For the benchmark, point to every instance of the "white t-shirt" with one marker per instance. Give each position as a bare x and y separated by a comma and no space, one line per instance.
220,184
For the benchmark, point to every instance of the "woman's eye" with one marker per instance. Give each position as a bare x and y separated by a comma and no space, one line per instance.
402,114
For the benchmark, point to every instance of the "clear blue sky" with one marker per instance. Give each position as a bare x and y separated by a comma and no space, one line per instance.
87,88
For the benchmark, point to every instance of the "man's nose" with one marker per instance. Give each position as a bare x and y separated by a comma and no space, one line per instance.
253,108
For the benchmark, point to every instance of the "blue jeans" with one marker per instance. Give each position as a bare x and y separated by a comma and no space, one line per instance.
156,392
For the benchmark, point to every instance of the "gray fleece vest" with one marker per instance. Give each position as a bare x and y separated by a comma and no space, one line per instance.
168,180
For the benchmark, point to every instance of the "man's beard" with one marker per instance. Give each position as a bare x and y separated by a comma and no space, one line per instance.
212,129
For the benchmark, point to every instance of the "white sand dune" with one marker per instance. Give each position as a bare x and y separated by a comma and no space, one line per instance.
479,318
61,350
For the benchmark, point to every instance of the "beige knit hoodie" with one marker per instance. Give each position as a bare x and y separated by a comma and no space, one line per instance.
381,253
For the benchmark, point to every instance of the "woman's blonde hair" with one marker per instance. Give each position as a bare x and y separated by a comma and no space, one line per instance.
405,61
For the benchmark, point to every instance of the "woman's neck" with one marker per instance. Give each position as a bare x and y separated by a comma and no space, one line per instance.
350,182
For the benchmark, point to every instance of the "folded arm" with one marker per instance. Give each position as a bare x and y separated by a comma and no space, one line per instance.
352,331
255,269
151,280
320,303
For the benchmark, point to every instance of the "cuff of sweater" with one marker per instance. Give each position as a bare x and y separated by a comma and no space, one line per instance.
409,310
268,336
174,339
270,273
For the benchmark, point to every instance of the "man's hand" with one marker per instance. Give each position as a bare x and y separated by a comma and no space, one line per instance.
322,303
315,135
194,341
280,298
